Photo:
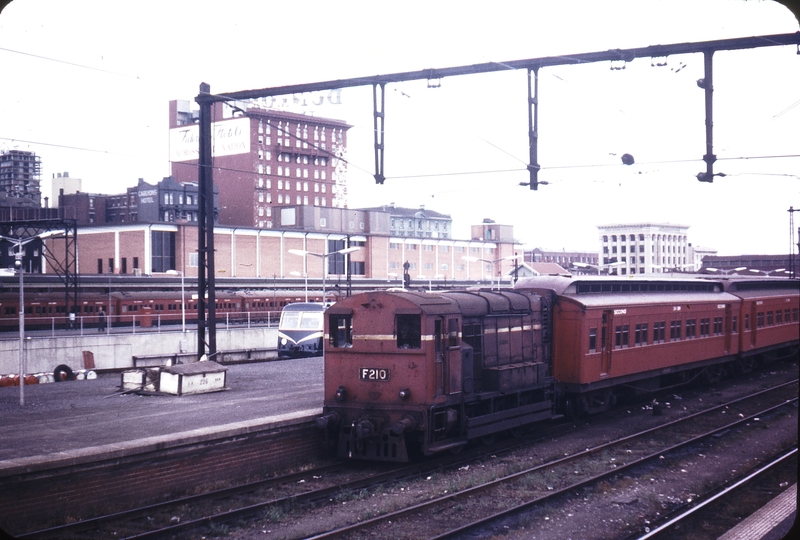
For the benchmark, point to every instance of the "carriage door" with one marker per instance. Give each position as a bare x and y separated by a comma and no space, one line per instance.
728,327
454,358
439,353
606,342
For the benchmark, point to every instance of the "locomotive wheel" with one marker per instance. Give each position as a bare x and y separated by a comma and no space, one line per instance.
63,373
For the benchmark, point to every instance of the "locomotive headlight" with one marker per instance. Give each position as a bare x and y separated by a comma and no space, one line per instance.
283,341
404,394
341,394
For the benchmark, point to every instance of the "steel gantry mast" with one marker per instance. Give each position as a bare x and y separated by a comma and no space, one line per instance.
205,99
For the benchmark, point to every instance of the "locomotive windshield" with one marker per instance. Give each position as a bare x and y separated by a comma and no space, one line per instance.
301,320
341,330
408,331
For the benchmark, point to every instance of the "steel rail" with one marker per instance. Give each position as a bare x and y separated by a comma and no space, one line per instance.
774,462
588,452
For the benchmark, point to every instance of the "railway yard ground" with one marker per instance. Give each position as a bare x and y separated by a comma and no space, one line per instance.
77,440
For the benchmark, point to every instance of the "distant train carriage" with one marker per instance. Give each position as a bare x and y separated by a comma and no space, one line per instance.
300,330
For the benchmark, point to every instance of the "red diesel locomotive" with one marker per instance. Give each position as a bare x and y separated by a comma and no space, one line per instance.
410,372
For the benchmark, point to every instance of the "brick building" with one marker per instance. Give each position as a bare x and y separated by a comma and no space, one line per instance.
263,159
149,248
165,202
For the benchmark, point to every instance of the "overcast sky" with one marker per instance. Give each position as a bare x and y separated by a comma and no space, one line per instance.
86,85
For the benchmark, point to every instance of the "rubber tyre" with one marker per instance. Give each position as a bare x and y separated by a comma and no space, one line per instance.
65,371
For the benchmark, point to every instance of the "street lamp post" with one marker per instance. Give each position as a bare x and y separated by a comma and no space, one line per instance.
183,298
21,269
305,275
323,256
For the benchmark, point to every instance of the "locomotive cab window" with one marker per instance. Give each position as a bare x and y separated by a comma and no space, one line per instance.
341,329
408,331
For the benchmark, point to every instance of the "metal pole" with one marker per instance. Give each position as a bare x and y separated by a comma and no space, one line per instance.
183,305
323,278
21,327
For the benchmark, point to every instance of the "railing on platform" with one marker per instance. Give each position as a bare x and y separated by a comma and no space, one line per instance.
131,323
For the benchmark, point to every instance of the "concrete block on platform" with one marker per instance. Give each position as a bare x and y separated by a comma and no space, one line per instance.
195,378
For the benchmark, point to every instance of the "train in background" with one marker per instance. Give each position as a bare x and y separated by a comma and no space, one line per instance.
142,307
413,373
300,330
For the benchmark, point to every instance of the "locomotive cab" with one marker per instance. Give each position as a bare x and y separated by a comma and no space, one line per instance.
412,372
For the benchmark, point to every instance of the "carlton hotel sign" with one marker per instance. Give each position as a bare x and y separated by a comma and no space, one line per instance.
229,137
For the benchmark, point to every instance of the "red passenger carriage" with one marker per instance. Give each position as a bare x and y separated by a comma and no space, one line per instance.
432,371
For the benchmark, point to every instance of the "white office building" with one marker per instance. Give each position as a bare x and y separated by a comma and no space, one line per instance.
644,248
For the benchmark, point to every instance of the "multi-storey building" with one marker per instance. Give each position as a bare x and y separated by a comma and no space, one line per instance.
563,258
263,159
20,176
63,184
305,244
644,248
696,256
417,222
165,202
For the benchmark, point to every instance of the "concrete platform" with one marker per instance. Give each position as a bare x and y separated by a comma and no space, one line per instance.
81,421
773,521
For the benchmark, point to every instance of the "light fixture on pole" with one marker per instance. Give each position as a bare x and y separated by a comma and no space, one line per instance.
598,267
323,256
492,262
726,272
21,269
183,298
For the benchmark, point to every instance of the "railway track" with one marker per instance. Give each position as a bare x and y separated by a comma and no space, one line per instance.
715,513
539,485
274,499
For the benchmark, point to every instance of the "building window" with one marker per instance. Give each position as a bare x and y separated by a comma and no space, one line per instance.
162,250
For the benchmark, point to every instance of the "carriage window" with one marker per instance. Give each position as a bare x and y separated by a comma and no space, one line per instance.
341,330
621,336
408,331
593,340
640,338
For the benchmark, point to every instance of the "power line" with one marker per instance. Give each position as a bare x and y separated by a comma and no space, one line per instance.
56,60
67,147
